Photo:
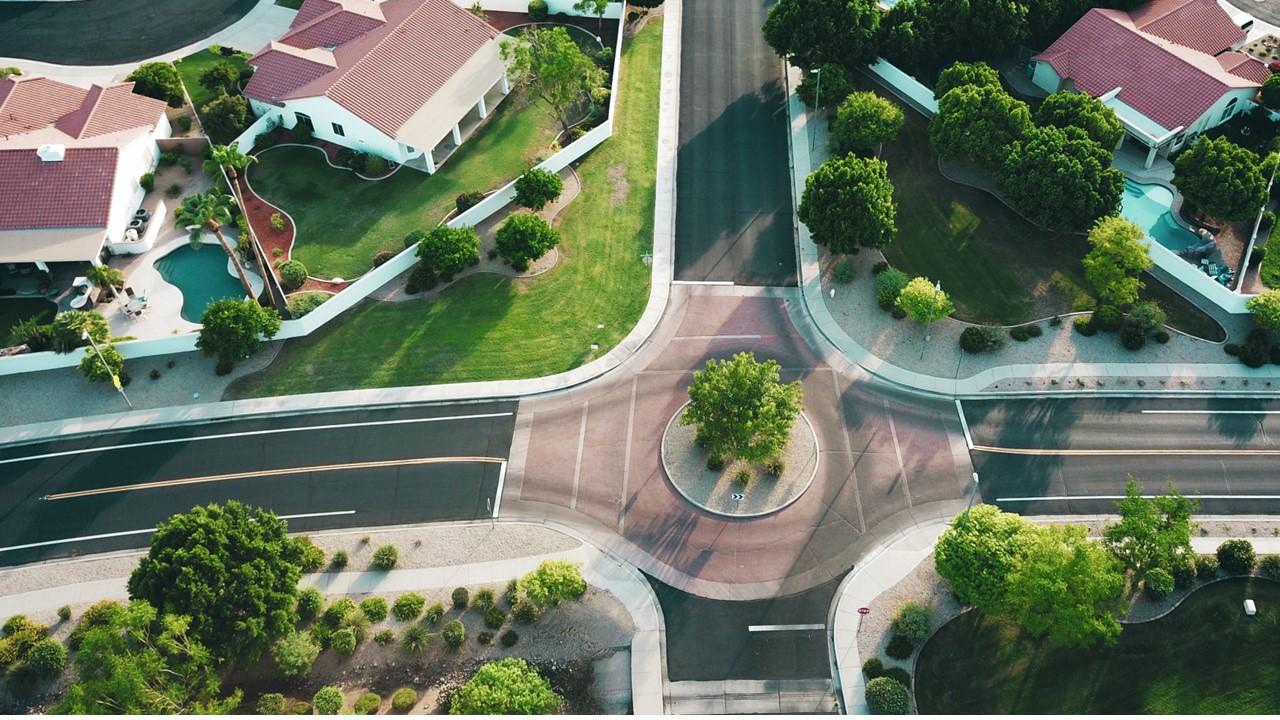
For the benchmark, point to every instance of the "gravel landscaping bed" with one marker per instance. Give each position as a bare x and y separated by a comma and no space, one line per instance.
922,585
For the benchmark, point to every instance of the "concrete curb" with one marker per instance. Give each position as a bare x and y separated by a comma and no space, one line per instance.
659,294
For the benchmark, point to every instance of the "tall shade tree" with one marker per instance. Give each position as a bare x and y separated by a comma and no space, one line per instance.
447,250
740,408
1066,108
525,237
831,80
818,32
159,80
225,117
1221,179
1271,92
554,68
1060,179
848,203
976,123
1265,308
1152,532
923,301
979,552
957,74
864,120
537,187
505,687
231,569
1118,255
221,78
1066,588
210,211
923,34
140,662
232,330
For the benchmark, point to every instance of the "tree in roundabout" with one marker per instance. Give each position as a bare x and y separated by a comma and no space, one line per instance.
740,409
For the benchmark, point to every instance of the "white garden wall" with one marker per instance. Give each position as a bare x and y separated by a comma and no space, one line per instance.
555,6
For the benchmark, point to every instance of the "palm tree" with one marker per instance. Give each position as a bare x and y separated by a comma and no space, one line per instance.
210,211
105,278
230,159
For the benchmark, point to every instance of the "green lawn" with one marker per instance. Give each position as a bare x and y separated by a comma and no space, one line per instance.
343,221
15,310
488,327
1205,657
190,68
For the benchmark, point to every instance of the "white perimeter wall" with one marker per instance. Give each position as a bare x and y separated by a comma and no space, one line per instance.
555,6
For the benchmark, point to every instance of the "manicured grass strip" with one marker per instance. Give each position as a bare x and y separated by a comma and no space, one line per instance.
191,66
488,327
343,221
1205,657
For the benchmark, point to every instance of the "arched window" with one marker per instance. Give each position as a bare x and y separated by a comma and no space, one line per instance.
1229,110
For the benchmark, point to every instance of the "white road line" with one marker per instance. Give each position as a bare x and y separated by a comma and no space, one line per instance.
1211,412
784,628
626,460
497,496
964,425
577,465
897,450
1121,497
126,533
250,433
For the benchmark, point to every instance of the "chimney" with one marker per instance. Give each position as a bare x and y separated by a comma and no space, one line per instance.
52,153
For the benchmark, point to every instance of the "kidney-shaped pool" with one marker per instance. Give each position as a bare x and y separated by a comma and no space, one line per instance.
201,274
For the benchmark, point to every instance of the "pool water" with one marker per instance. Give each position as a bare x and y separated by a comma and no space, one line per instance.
201,274
1148,206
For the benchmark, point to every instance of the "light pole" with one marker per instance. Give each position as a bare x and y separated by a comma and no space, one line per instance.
937,290
817,100
115,379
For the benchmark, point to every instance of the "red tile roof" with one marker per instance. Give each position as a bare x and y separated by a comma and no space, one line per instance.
387,73
111,109
1198,24
1170,83
281,69
75,192
34,103
1245,66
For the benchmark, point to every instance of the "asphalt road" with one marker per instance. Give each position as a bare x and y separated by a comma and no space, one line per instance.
733,194
382,467
1058,456
106,32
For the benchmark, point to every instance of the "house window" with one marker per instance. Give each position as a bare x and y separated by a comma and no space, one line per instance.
337,130
409,149
1229,110
303,117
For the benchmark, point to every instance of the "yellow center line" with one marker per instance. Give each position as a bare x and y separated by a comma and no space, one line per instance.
271,473
1144,451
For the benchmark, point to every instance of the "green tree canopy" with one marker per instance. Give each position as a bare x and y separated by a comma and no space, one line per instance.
537,187
525,237
864,120
1118,256
848,203
1271,92
1222,179
1066,587
294,653
1266,308
70,326
232,330
230,158
740,408
957,74
159,80
554,68
447,250
924,301
979,552
820,32
221,78
1152,532
923,34
210,211
105,278
93,368
230,568
225,116
976,123
834,82
505,687
1060,179
142,663
554,581
1066,108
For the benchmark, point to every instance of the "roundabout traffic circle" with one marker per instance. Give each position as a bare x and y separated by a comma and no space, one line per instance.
719,492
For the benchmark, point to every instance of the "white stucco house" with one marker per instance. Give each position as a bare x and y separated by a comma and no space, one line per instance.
1170,69
71,160
393,78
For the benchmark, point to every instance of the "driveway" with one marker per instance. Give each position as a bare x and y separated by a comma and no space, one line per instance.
733,192
107,32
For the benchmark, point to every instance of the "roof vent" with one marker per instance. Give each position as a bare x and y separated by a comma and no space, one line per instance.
52,153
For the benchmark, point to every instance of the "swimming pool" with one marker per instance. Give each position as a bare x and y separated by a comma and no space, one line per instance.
201,274
1148,206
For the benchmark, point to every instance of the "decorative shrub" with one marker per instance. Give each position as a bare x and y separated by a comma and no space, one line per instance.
844,272
1158,583
421,278
385,557
485,638
301,304
385,636
715,462
913,621
898,313
309,603
886,696
277,222
775,466
368,704
434,613
454,633
1034,330
271,704
1206,567
327,700
147,181
184,125
343,641
980,339
408,606
1161,336
900,648
1231,349
879,267
1108,318
742,476
301,707
374,608
484,599
415,639
511,593
525,611
538,10
292,275
872,668
47,657
509,638
494,617
173,191
1269,566
889,283
899,674
404,699
467,200
374,165
1132,337
1184,573
1236,557
461,598
312,556
339,559
1084,325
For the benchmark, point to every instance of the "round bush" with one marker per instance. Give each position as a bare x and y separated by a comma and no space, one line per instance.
461,598
1034,330
1020,333
374,608
889,283
385,636
538,10
485,638
1269,566
339,560
415,639
1132,338
455,633
385,557
511,593
509,638
292,274
913,621
301,707
1184,573
64,613
1108,318
844,272
898,313
368,704
1236,557
900,648
408,606
343,641
484,599
434,613
886,696
271,704
309,603
47,657
327,700
1206,567
1084,325
981,338
899,674
1158,584
494,617
1161,336
524,611
873,668
404,699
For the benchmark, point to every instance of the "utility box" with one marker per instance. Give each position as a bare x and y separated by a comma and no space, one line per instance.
1249,608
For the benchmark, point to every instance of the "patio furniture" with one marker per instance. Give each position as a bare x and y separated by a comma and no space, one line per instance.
79,301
